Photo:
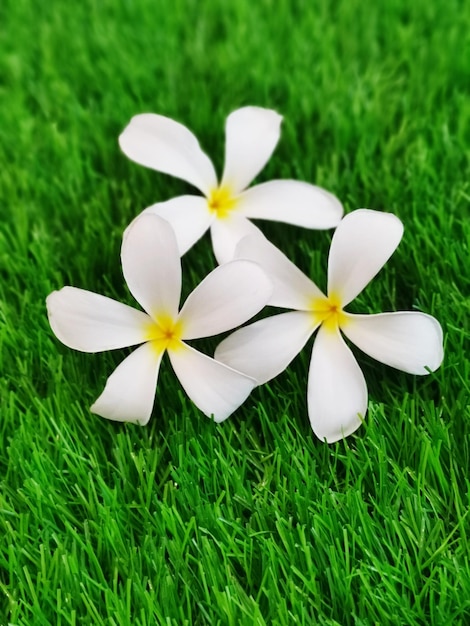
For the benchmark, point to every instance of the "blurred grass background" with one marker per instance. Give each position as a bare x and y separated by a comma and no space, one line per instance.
253,521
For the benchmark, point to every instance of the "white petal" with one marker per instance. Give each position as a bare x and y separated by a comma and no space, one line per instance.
151,265
214,388
264,349
229,296
337,391
293,202
407,340
251,134
361,245
292,289
227,232
189,217
167,146
86,321
129,393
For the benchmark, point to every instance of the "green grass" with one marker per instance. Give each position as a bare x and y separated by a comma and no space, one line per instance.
253,521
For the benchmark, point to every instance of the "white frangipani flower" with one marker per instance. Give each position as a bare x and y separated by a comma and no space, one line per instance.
226,298
337,392
252,133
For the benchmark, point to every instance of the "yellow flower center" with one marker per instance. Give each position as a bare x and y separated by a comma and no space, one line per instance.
164,333
221,202
328,311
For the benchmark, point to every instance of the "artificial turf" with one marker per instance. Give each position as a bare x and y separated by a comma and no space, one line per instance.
253,521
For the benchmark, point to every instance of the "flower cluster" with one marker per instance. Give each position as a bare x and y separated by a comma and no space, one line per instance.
252,273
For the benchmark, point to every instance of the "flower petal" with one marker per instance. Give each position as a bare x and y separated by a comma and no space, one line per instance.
337,391
293,202
292,288
129,393
251,134
264,349
86,321
151,265
164,145
406,340
214,388
189,217
227,232
361,245
226,298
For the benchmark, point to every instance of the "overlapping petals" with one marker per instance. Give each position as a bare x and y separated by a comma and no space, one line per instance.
264,349
251,136
226,298
188,216
252,273
337,392
226,234
292,289
151,265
